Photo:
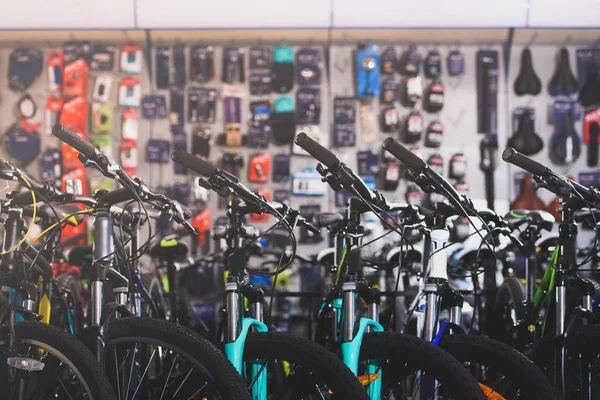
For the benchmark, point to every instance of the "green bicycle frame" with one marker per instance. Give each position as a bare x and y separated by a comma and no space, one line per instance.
543,294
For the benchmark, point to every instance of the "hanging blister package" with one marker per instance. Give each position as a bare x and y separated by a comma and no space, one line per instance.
260,58
233,65
389,120
52,166
131,59
433,64
102,117
487,91
436,163
161,106
565,143
410,62
259,168
456,63
283,69
181,193
389,61
462,188
307,182
148,107
76,78
76,50
179,139
202,105
104,144
413,127
55,71
201,142
74,115
458,167
102,57
411,91
24,147
260,110
281,168
129,156
367,71
367,121
391,176
24,66
130,92
308,67
308,106
259,135
102,86
130,124
588,68
367,162
344,121
283,121
176,107
158,151
233,121
434,134
260,83
389,91
54,105
180,76
202,64
413,195
434,97
162,61
281,196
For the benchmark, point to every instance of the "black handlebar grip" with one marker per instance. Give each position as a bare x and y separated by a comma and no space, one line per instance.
316,150
117,196
194,163
74,140
23,199
325,220
403,154
514,157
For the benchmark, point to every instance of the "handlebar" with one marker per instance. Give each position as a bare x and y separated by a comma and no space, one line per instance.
194,163
316,150
403,154
75,141
512,156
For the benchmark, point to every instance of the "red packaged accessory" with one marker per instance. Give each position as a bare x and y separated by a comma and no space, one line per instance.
262,217
590,117
53,106
129,157
130,92
259,168
202,224
55,70
76,77
68,230
74,115
130,124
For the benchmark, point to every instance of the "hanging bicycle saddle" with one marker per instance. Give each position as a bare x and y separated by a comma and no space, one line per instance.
525,140
590,92
527,81
563,81
565,145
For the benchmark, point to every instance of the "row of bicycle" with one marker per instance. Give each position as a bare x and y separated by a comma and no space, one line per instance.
122,337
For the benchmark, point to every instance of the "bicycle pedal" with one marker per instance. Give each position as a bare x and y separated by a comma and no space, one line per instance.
25,364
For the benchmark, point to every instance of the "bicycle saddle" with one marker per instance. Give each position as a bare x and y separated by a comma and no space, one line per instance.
589,95
565,144
543,219
563,81
526,141
527,81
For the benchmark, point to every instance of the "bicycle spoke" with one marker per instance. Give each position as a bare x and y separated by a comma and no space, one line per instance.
144,374
182,383
198,391
168,376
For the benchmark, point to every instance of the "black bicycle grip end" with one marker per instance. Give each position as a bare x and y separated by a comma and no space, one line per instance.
316,150
403,154
194,163
74,140
512,156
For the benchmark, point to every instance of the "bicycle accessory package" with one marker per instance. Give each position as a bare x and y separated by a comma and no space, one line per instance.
308,106
202,105
26,108
308,67
433,100
130,92
179,139
563,82
307,182
281,168
54,105
344,122
161,106
104,144
527,81
74,115
24,66
55,70
389,91
368,121
389,61
158,151
259,168
233,65
588,67
456,63
129,156
176,106
282,72
283,121
52,166
102,117
202,64
233,121
262,218
462,188
487,91
76,78
23,146
259,135
180,77
260,59
181,193
388,120
433,64
162,62
102,86
131,59
413,127
102,57
390,171
76,50
458,167
367,163
413,195
367,71
434,134
524,138
565,143
149,106
411,91
436,163
410,62
201,142
590,136
260,83
130,124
